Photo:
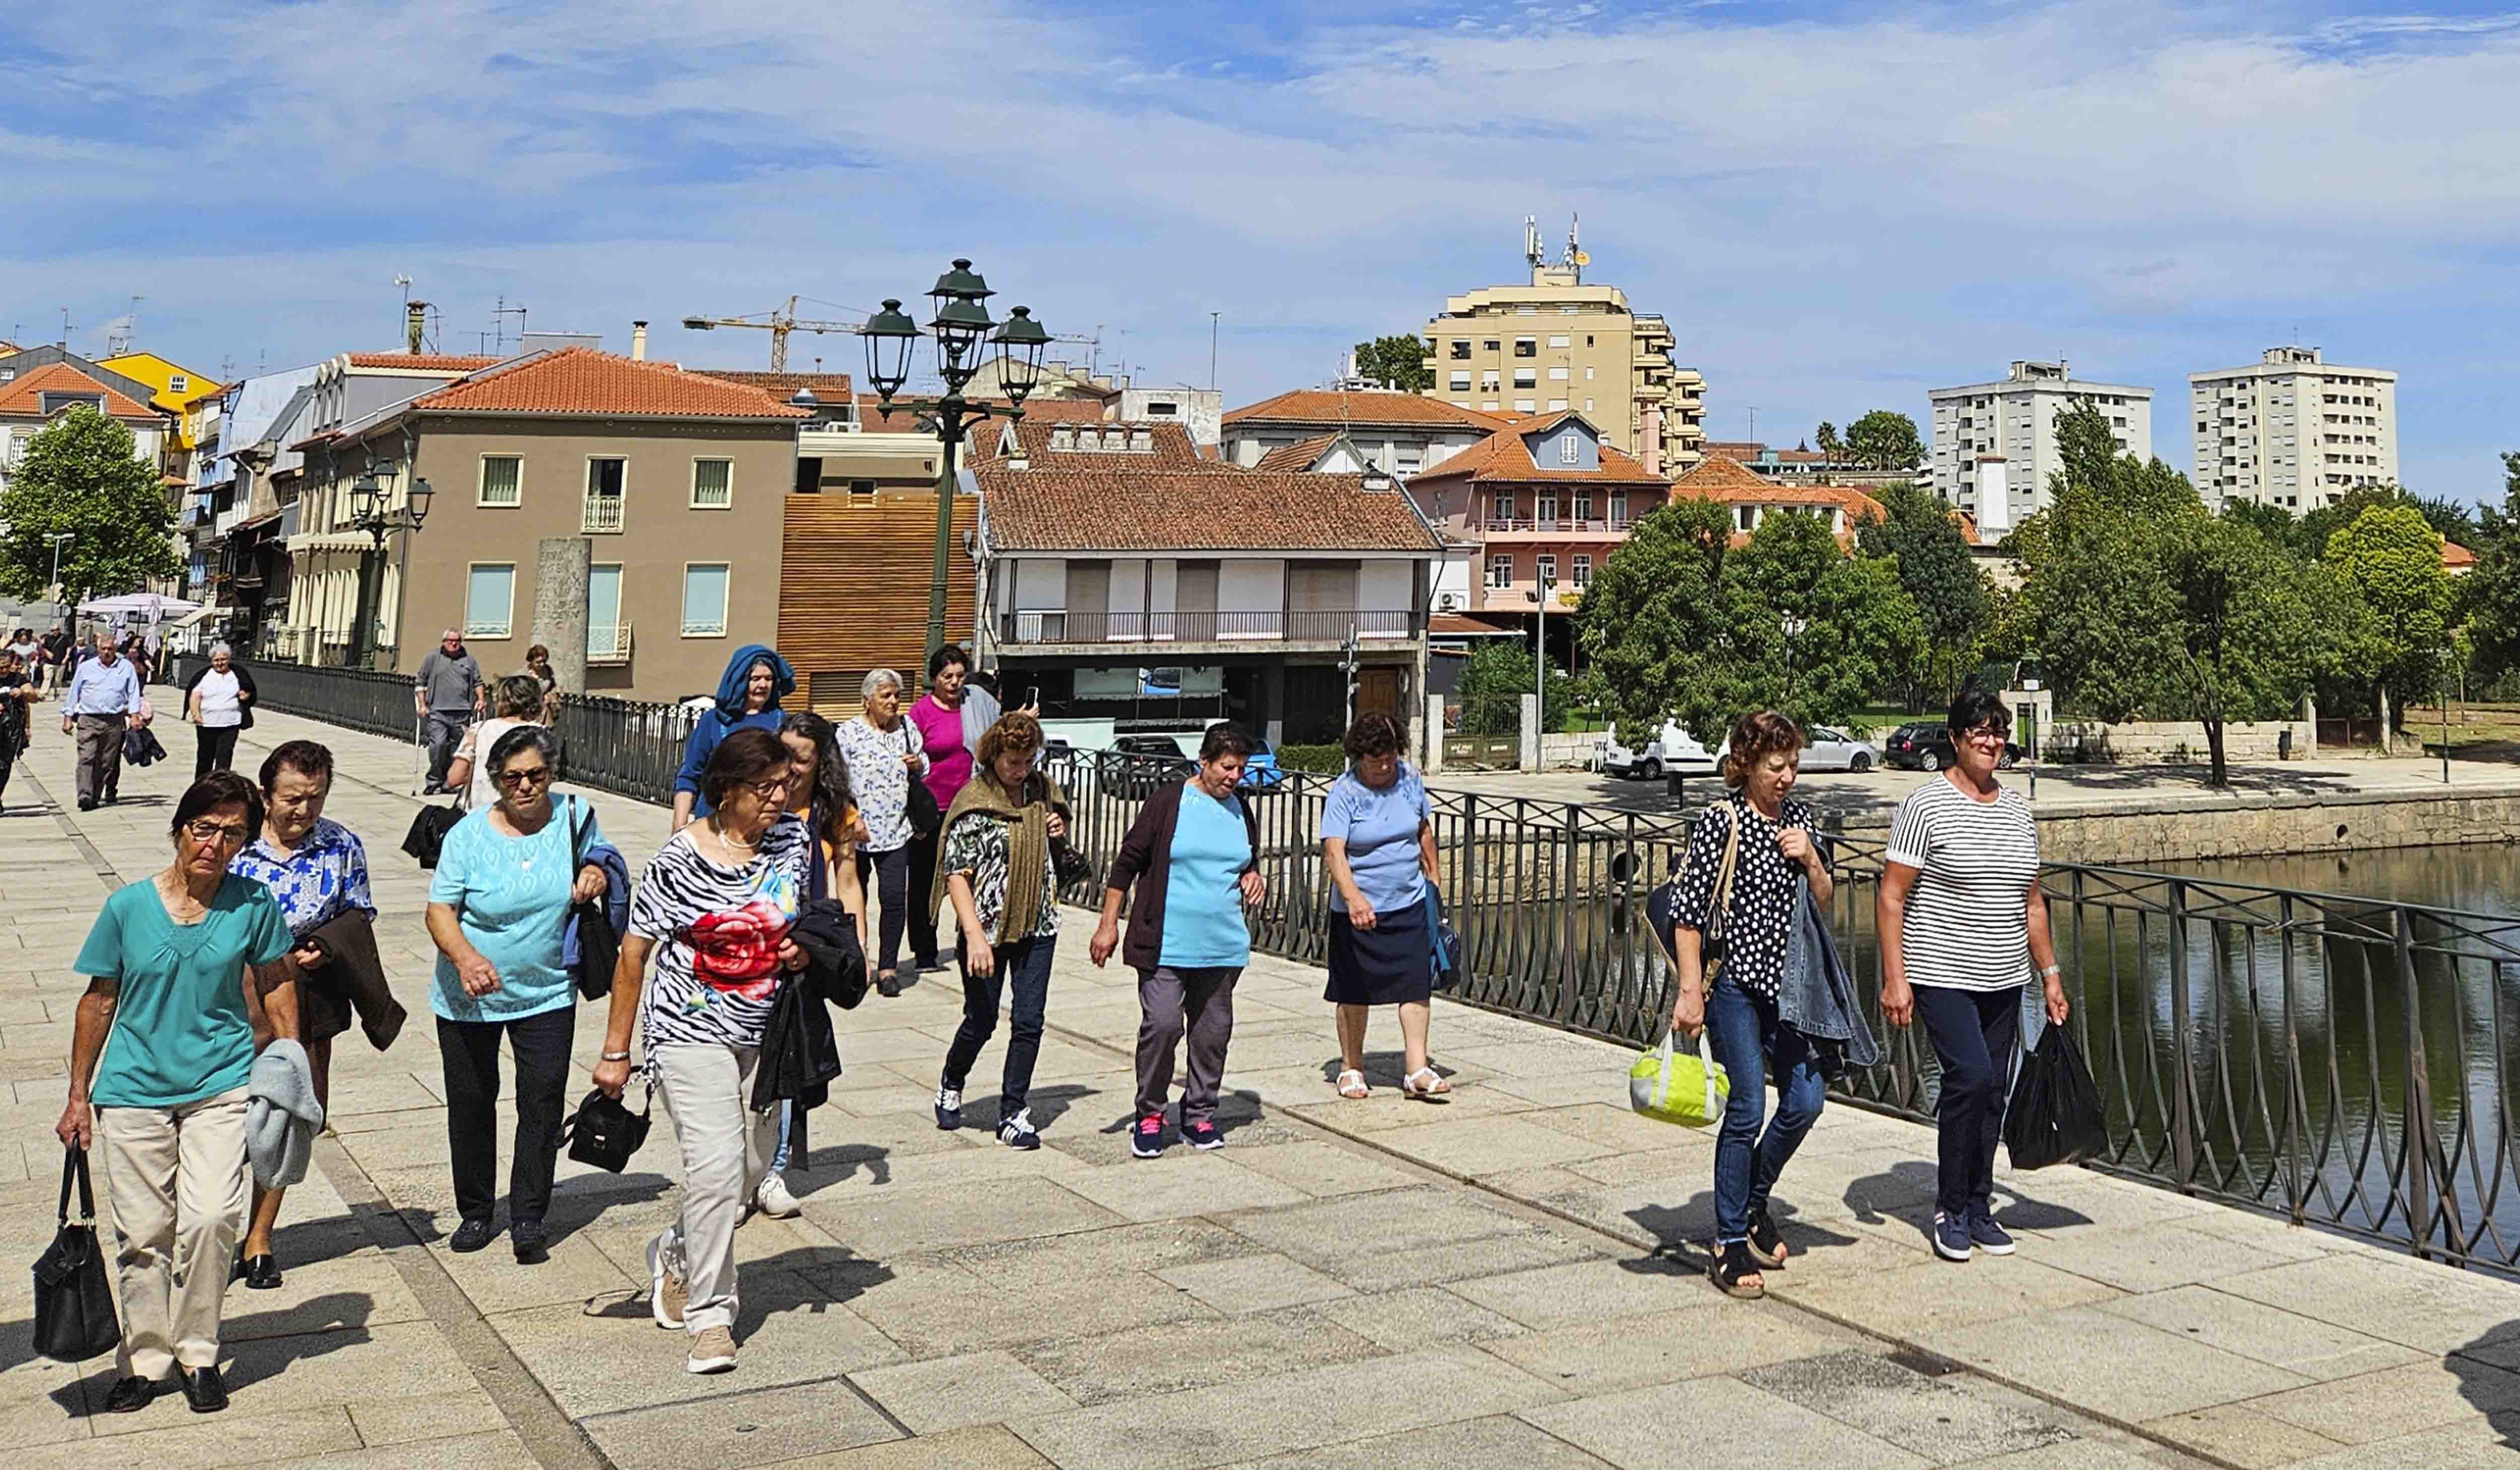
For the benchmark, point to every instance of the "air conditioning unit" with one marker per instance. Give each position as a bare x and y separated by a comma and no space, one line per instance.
1448,602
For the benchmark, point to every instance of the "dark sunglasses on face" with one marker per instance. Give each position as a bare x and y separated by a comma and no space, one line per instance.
519,780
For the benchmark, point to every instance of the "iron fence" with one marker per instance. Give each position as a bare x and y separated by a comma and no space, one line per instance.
629,746
2346,1063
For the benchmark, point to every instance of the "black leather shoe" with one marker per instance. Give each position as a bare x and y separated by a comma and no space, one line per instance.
261,1273
129,1396
532,1240
202,1389
87,803
471,1236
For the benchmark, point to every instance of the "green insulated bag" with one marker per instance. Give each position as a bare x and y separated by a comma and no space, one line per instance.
1677,1086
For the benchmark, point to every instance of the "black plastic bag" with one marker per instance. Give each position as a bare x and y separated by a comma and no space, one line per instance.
428,833
74,1306
2055,1116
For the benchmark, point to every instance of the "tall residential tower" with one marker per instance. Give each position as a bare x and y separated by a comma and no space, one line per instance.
2292,430
2016,419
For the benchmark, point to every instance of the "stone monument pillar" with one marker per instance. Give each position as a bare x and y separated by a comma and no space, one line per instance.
560,576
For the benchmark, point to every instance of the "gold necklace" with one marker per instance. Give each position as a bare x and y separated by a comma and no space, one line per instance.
728,840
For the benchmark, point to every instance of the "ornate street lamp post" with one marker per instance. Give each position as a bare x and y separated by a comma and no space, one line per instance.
961,328
368,512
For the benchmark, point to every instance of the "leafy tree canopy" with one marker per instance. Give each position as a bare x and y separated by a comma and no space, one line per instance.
2390,555
1396,362
1493,682
82,476
2492,592
1917,531
1885,440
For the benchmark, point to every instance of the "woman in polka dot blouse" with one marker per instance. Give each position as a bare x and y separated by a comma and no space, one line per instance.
1773,858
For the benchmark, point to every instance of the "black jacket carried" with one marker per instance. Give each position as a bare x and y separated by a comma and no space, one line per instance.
351,977
1146,859
799,1056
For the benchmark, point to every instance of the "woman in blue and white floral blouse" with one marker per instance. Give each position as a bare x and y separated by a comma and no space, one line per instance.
317,870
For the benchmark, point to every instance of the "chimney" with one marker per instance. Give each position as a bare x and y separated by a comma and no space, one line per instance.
638,342
414,315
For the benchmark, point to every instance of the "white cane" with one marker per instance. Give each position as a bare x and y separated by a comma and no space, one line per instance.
418,724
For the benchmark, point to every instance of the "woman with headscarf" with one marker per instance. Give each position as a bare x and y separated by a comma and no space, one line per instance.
748,693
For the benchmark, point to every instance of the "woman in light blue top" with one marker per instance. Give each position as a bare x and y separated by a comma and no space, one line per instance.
1192,855
497,908
1378,843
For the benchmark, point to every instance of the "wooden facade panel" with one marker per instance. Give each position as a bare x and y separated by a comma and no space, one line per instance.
853,582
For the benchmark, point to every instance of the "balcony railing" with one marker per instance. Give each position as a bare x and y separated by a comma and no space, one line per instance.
1556,525
607,645
602,516
1204,626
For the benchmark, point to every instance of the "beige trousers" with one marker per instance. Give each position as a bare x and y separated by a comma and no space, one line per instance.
726,1151
175,1181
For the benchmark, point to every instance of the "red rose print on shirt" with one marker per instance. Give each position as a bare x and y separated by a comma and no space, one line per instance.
737,951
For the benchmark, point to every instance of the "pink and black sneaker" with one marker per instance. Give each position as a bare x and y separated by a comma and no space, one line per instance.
1147,1140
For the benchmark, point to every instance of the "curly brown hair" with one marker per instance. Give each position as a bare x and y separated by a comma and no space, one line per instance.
1374,734
1017,733
1755,738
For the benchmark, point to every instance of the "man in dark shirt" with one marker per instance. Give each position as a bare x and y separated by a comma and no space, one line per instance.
446,696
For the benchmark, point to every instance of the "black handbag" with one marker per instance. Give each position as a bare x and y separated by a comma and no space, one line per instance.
603,1131
73,1303
427,836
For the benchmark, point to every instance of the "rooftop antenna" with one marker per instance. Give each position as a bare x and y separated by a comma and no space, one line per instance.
66,329
499,315
118,335
1532,250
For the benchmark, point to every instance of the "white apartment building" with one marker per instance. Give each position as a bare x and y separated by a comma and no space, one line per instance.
2016,419
2292,430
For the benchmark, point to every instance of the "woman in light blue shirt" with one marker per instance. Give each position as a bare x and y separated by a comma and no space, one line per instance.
1378,843
498,906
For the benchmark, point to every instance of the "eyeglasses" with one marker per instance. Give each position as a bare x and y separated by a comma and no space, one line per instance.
518,780
216,831
1983,734
771,789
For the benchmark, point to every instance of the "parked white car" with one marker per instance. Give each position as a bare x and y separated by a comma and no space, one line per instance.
1829,751
1674,750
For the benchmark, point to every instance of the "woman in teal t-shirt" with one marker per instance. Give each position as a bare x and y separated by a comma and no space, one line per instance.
159,1055
498,907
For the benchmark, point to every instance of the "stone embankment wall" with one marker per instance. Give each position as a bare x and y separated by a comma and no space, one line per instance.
2178,742
2184,828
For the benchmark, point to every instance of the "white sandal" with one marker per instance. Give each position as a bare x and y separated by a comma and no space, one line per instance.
1351,1084
1433,1086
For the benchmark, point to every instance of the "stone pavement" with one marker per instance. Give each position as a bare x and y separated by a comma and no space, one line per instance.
1486,1282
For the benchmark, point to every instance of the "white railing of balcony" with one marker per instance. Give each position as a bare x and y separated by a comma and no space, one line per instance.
603,515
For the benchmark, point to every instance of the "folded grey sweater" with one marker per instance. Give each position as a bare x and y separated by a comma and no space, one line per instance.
280,1115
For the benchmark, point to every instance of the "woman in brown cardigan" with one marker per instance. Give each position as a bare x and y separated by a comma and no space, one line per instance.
1193,856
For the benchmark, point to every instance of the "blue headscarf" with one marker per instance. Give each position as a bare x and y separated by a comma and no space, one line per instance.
739,672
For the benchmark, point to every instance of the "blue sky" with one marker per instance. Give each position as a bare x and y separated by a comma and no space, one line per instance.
1838,205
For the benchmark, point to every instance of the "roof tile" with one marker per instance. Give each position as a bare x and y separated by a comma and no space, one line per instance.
1215,507
23,395
583,380
1506,456
1369,406
429,362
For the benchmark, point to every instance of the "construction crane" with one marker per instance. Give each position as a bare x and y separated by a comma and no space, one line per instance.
779,323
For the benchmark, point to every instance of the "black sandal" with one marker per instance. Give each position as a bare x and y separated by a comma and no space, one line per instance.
1767,1245
1726,1268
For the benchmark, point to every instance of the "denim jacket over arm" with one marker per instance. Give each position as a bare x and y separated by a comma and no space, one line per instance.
1816,996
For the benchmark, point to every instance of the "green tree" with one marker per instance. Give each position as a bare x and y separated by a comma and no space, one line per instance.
1395,362
2390,555
1826,438
1493,682
1935,567
2142,604
1885,440
82,476
1692,631
2273,522
2492,592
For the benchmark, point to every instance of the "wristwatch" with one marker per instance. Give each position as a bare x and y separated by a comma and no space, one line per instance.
2052,973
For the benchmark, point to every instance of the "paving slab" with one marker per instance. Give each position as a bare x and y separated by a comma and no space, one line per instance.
2268,1334
1904,1407
2108,1364
2432,1310
751,1427
992,1446
1148,1361
1710,1337
2397,1401
1707,1420
1496,1443
1255,1283
951,1393
2239,1435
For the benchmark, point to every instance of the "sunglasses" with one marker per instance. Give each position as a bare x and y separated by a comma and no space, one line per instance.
519,780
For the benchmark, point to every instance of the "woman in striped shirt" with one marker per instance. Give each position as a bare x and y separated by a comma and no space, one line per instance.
1961,919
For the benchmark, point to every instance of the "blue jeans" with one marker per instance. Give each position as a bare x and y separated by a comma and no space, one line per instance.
1744,1035
1024,968
786,1125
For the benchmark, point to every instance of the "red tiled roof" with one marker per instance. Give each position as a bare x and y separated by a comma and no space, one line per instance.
582,381
1723,479
830,387
1168,445
1210,509
1454,625
1300,456
428,362
23,395
1374,405
2457,557
1967,525
1505,456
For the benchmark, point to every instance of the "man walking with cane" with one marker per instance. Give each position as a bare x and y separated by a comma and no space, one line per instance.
103,701
446,697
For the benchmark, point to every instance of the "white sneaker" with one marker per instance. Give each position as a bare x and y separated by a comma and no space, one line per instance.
774,1200
667,1292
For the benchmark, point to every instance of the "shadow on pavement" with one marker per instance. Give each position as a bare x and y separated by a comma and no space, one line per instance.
1684,1232
2494,1392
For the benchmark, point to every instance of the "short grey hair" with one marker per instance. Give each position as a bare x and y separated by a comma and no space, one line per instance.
220,648
512,742
876,679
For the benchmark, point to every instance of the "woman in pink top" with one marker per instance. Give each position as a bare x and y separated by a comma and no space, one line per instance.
938,714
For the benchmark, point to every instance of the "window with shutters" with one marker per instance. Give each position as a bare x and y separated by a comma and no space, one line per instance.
503,480
712,484
490,599
704,600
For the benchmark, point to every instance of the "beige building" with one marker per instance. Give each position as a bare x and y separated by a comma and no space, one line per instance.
1558,345
679,481
2292,430
2015,422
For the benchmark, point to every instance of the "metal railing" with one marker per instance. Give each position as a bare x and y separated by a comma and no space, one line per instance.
600,514
607,645
2346,1063
1203,627
629,746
